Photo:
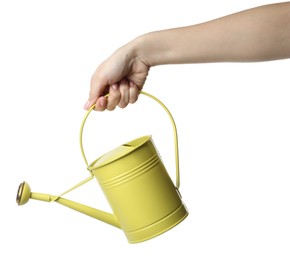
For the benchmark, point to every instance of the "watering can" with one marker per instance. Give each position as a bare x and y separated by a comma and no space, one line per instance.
144,200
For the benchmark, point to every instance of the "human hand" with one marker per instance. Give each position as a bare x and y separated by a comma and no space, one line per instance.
121,76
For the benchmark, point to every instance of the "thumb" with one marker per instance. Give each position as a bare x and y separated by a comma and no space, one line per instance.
97,88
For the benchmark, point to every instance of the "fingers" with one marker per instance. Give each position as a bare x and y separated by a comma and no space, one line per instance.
125,93
120,94
101,104
113,97
134,92
110,100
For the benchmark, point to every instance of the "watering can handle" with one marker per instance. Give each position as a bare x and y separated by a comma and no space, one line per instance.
174,131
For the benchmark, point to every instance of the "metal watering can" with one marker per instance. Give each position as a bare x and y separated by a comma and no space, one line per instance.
143,198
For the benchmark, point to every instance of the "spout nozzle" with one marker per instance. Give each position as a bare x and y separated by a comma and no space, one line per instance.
23,193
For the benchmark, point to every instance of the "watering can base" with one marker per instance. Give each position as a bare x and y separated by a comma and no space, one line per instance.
159,227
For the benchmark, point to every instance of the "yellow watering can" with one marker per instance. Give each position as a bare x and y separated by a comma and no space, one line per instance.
143,198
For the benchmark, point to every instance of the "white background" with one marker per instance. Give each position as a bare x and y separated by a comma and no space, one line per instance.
232,120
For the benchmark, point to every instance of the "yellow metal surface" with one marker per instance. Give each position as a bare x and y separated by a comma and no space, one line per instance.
144,200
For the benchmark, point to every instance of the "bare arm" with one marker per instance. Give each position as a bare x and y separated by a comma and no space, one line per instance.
257,34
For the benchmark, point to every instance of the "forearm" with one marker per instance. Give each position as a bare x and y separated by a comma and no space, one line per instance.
257,34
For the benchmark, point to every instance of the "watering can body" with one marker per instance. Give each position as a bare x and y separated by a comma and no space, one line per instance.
144,201
139,190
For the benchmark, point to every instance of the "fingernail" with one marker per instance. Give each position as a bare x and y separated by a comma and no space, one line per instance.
87,105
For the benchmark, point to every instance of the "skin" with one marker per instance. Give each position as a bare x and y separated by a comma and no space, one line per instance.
257,34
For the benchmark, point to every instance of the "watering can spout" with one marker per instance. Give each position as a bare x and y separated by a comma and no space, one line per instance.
24,194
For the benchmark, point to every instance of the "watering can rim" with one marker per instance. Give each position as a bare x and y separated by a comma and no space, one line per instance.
93,166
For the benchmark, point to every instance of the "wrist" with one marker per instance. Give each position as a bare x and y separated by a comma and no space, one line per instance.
142,48
159,47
